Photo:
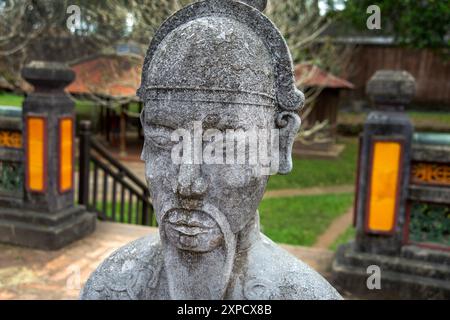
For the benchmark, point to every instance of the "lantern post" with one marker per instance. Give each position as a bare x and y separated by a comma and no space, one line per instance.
47,218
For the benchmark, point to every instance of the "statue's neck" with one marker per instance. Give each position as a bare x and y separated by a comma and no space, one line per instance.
249,235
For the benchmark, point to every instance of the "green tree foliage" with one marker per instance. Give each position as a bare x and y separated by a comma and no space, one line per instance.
415,23
25,24
37,29
430,223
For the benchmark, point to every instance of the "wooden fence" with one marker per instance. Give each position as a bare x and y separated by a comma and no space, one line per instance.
431,70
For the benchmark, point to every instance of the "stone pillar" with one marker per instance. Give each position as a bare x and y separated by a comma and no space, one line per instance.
48,218
384,164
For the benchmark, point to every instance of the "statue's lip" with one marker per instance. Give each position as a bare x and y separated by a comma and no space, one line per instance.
190,230
191,224
183,218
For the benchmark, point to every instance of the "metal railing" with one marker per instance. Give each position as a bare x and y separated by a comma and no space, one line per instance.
107,187
11,155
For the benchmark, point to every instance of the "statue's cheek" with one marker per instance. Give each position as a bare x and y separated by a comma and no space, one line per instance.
159,170
240,176
160,175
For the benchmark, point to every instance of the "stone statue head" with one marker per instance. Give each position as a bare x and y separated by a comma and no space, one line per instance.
215,71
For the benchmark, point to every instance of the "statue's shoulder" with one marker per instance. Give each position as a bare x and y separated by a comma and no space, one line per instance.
283,276
130,273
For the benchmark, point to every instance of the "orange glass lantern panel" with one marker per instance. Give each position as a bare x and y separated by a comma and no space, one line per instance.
384,185
36,154
66,154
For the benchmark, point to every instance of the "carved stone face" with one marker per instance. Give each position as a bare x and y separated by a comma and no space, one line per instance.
196,203
222,72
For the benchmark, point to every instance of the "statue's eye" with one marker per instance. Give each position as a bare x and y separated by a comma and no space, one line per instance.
160,140
159,136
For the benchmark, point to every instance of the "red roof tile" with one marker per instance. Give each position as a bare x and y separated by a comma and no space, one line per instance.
309,75
111,76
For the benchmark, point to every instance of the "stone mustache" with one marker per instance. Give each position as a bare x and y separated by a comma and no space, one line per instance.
222,63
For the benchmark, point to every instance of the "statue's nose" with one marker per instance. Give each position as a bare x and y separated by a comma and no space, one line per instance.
190,182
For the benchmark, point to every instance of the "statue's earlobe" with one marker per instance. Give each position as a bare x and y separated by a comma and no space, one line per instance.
144,153
288,124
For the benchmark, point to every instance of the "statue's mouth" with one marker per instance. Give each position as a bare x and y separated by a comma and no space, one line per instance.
190,228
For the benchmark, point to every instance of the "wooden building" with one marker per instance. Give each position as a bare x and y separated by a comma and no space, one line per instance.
325,109
111,81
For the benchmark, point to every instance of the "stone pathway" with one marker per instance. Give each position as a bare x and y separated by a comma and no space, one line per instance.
35,274
309,191
336,228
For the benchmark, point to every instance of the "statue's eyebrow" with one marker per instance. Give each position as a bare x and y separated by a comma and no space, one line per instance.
233,122
233,126
222,123
158,118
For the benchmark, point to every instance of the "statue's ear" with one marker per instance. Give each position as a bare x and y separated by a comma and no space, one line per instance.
144,152
288,124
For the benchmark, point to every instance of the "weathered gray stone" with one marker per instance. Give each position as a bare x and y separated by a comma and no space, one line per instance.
391,88
224,64
415,273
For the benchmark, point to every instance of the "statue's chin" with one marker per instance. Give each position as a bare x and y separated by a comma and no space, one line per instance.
199,249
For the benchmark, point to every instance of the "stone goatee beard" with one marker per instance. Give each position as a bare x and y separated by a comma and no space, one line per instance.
200,276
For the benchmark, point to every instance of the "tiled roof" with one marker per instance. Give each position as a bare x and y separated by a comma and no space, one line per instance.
309,75
108,76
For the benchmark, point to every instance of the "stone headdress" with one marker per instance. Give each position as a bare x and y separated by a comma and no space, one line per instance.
221,51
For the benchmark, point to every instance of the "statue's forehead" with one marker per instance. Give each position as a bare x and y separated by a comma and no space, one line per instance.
176,114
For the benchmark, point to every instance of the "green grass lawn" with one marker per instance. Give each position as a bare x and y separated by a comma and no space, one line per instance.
8,99
300,220
308,173
430,116
134,218
348,235
86,108
82,106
